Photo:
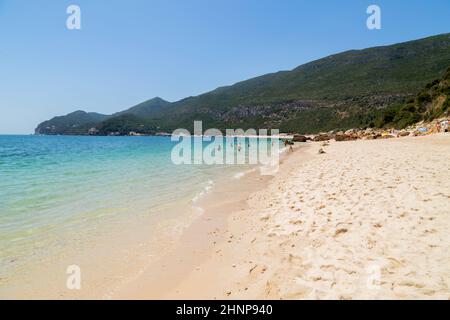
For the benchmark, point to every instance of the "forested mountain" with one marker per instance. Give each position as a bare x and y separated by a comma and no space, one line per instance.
336,92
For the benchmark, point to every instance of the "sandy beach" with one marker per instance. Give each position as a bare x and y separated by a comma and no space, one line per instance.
365,220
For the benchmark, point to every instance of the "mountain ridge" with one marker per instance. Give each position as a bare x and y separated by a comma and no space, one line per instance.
338,91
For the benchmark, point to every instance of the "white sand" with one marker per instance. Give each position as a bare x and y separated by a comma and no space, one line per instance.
368,219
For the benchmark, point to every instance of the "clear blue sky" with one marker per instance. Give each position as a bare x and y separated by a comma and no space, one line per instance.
130,51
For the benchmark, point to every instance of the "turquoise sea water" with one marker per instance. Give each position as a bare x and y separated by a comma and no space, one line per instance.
51,187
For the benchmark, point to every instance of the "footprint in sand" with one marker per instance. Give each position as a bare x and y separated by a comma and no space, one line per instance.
340,231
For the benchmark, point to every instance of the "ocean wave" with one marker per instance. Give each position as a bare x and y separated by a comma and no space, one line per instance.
203,192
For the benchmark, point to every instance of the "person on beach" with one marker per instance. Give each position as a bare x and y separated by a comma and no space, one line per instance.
438,127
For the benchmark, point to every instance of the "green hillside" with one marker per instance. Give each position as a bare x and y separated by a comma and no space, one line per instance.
76,123
126,123
336,92
432,102
146,109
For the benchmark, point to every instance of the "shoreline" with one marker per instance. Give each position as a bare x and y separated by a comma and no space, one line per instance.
202,236
365,220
